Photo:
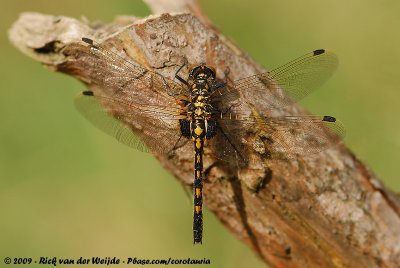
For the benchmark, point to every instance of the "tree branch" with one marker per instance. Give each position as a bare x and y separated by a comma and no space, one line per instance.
331,211
178,6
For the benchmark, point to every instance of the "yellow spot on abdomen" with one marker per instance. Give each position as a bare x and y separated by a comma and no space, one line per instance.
198,192
198,174
198,143
198,130
198,158
197,209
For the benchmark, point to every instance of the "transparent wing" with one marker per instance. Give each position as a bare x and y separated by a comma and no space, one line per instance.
117,72
228,144
288,136
290,82
131,93
302,136
122,114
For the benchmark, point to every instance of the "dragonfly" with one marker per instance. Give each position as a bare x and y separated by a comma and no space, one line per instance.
205,111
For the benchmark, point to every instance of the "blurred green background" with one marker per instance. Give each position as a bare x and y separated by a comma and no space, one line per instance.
68,190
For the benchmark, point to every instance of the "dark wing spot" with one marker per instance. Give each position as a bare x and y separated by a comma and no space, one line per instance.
319,52
328,118
87,93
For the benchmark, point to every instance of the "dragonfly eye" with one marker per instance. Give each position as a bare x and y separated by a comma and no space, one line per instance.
210,72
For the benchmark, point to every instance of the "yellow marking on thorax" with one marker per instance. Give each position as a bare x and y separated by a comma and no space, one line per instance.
198,112
197,209
199,104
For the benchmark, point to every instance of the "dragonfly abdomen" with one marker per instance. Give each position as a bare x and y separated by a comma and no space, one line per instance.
198,135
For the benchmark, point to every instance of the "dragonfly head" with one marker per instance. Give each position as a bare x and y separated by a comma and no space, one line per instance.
202,73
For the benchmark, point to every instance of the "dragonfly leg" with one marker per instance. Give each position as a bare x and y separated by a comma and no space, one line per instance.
180,78
177,145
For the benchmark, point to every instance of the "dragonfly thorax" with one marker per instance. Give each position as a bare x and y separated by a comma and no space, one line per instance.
199,104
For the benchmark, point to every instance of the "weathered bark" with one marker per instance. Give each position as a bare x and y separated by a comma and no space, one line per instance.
330,211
